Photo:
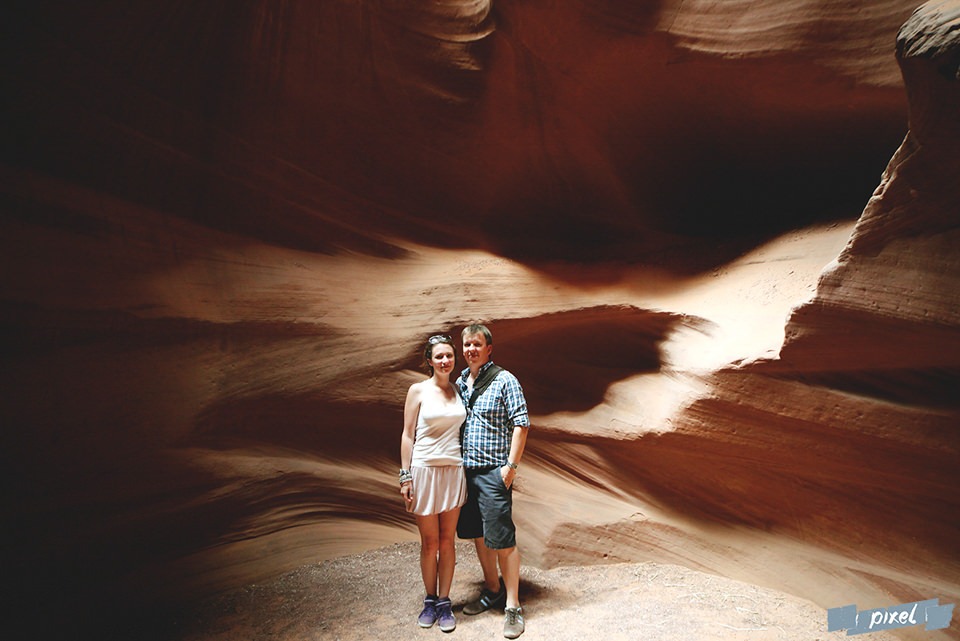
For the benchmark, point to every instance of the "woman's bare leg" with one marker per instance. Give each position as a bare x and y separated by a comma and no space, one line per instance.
447,551
429,527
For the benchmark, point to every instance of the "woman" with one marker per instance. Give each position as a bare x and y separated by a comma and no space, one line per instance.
432,481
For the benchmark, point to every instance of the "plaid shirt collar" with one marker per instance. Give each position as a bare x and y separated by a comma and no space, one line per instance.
466,373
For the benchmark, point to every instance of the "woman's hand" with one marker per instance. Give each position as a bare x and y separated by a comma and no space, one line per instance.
406,491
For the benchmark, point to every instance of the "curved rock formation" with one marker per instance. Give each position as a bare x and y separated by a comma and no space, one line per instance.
227,228
311,125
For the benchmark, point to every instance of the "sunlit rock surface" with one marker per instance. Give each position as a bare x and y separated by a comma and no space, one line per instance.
227,230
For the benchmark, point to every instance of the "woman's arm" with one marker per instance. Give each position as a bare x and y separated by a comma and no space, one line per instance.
411,409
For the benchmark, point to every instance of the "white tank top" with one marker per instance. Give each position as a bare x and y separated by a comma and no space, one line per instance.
437,441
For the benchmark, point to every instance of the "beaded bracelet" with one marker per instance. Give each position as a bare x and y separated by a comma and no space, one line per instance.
405,476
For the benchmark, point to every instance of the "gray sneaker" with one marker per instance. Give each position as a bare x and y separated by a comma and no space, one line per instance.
512,622
487,600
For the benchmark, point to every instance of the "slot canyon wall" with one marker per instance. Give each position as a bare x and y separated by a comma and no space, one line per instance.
228,227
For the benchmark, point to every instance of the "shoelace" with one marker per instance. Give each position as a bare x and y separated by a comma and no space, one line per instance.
512,616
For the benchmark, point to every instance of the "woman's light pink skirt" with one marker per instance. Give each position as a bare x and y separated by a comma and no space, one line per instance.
438,489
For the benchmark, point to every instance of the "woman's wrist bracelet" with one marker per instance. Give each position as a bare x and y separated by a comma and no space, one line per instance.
405,477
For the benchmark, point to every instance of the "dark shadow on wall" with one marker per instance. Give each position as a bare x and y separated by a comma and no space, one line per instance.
169,110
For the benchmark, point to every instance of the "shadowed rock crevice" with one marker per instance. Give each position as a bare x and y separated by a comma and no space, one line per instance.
308,423
29,329
594,348
930,387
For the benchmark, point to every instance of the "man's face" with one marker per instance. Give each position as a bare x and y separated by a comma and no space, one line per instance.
475,350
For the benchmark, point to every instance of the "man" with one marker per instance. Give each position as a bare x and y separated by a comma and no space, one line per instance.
494,435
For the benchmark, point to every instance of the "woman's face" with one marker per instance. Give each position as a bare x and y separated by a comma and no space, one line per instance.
442,358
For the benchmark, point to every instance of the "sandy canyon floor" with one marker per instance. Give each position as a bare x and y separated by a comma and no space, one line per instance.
376,595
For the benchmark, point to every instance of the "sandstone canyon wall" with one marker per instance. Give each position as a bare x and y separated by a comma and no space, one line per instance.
227,228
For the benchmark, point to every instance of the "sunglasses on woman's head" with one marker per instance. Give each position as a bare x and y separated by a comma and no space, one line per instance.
439,338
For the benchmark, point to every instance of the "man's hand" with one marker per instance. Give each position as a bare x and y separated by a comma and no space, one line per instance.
508,474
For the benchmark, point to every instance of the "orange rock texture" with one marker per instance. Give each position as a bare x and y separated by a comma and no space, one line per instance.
228,227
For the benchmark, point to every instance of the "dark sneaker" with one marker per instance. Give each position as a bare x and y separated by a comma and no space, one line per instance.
445,618
512,622
429,614
487,600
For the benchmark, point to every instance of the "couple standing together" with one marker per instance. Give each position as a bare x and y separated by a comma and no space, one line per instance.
444,470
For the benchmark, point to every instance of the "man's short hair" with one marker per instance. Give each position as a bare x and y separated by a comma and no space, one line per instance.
477,328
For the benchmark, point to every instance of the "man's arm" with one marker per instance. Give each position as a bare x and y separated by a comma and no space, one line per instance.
516,405
514,402
517,443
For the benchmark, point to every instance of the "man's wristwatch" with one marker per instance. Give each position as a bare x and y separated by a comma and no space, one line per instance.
512,466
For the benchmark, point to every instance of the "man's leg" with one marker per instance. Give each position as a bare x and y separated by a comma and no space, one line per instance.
490,597
513,624
488,563
509,559
470,526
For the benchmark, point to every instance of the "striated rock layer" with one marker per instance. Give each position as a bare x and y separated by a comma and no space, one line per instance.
226,230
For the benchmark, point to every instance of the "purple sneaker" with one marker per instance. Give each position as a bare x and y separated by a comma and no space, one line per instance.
429,614
448,622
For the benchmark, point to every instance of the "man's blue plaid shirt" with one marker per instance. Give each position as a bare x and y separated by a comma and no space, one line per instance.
489,425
